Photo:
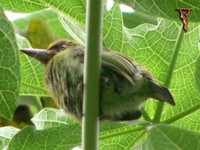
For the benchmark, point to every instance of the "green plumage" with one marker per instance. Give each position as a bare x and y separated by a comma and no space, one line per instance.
125,85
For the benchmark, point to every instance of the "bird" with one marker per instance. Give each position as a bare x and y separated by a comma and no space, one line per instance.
124,84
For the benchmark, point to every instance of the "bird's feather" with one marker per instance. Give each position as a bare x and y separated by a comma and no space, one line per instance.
120,64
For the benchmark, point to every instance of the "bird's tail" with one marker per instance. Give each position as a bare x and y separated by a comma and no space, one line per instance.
160,93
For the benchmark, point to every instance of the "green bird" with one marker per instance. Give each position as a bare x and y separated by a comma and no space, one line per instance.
124,85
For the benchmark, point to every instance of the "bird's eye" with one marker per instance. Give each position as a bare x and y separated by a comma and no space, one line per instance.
63,46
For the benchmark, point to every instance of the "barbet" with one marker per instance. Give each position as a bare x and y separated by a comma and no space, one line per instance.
125,84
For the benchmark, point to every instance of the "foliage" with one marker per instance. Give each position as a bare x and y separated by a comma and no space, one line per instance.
161,44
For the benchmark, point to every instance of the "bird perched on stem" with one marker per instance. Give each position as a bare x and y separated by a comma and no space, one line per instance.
125,84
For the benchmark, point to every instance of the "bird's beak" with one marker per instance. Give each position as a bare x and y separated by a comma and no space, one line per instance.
40,54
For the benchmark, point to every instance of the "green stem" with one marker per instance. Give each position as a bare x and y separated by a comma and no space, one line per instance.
169,74
90,124
182,114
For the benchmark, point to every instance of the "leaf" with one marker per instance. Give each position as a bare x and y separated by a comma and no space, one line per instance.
112,37
74,8
9,68
51,117
184,83
120,138
75,29
52,124
22,5
49,17
39,34
60,138
32,73
167,137
6,134
111,132
166,9
191,121
129,22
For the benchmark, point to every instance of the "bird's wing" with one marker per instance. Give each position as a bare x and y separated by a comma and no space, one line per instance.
120,64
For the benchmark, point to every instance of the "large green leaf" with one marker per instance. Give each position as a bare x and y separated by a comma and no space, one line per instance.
129,22
53,123
168,137
22,5
9,68
121,137
49,17
32,73
6,134
165,8
73,8
58,138
51,117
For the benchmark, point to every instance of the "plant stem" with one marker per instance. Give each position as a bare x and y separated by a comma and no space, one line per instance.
92,66
169,73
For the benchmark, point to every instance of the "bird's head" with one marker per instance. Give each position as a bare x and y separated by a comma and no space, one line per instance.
45,55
